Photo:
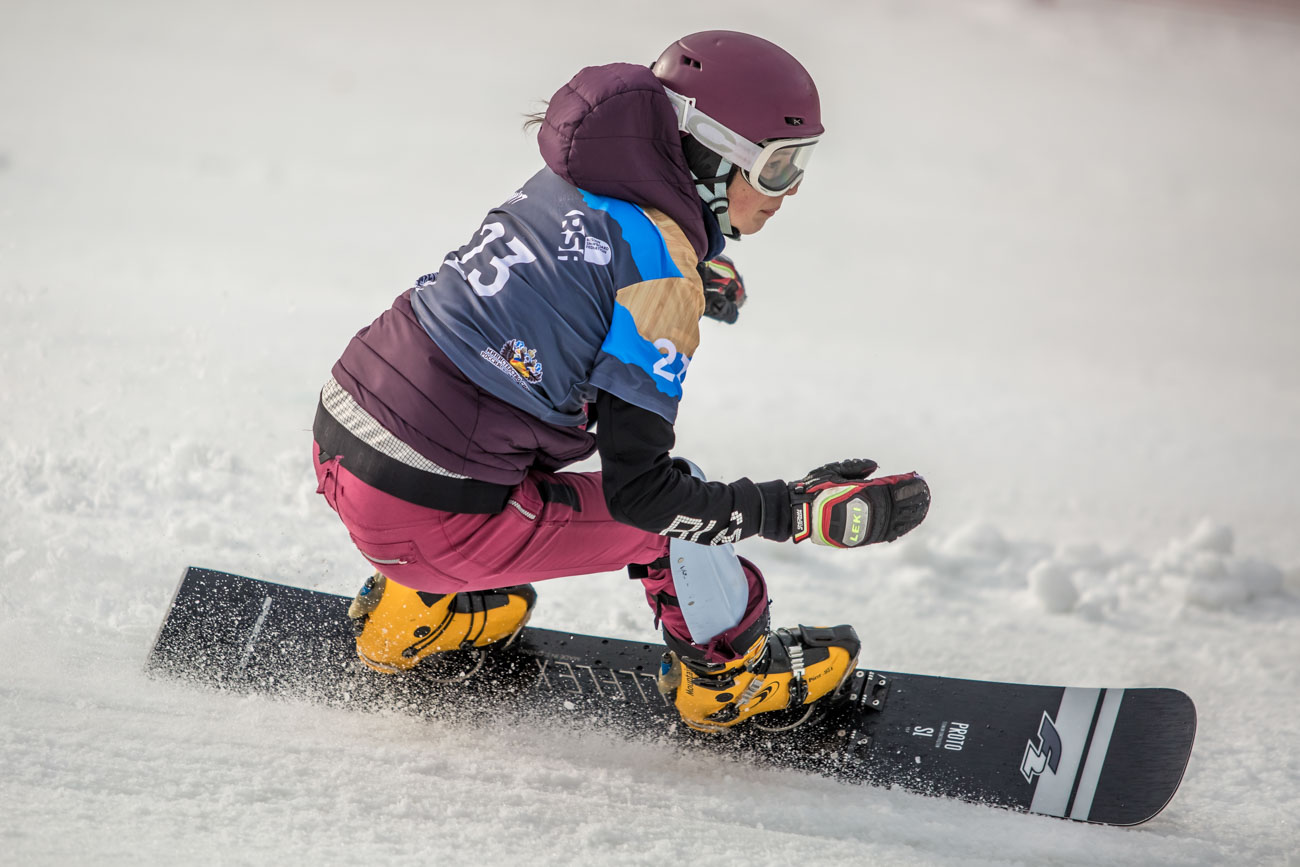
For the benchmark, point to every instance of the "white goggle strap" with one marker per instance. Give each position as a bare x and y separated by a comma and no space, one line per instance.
714,136
732,146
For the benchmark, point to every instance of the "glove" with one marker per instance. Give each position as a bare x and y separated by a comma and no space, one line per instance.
724,292
835,505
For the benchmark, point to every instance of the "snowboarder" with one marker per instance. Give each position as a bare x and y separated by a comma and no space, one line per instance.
564,327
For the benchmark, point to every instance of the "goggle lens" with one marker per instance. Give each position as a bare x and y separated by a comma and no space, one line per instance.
780,168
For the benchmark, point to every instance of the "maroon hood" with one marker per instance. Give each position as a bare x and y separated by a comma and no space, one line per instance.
612,131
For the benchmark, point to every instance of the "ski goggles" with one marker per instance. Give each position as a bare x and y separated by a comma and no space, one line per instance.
772,168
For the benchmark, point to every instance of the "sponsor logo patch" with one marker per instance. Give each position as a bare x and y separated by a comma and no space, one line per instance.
517,360
575,244
596,252
857,520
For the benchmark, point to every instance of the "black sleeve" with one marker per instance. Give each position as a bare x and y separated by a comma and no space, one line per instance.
645,489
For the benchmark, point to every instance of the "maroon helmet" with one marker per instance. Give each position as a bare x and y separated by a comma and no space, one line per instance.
749,84
742,104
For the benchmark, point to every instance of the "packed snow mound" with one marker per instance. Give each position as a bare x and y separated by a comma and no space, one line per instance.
1200,568
1205,571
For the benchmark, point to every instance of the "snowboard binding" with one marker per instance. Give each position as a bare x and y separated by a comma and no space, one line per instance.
791,676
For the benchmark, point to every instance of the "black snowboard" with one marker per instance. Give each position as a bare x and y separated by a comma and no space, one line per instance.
1114,756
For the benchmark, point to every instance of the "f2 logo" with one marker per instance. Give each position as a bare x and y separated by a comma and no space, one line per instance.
1045,754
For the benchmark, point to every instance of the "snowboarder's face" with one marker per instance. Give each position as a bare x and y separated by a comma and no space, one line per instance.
749,209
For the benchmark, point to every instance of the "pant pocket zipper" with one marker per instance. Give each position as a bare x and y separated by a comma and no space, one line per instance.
399,561
521,510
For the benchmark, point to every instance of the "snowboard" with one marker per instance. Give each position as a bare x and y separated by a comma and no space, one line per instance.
1104,755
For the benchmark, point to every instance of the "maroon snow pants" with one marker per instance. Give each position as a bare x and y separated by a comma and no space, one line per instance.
532,539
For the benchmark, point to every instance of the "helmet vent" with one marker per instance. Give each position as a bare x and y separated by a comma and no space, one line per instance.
794,121
690,61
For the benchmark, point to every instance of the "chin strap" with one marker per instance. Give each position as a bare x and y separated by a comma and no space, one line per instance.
714,193
711,171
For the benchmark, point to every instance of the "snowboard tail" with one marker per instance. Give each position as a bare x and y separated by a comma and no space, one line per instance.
1112,756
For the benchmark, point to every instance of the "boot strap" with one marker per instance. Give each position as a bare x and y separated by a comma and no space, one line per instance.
750,691
796,660
793,647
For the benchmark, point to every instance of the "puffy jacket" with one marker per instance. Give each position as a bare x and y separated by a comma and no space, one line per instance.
578,296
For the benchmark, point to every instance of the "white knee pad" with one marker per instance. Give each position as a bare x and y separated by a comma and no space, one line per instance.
711,586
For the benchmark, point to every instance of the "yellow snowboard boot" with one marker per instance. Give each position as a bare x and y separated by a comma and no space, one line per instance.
397,627
785,670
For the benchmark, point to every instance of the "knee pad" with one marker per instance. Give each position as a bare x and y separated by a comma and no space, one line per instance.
711,585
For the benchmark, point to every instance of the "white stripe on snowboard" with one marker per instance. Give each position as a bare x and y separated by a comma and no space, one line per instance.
252,638
1097,754
1072,721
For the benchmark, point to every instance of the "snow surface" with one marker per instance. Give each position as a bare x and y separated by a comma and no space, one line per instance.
1047,255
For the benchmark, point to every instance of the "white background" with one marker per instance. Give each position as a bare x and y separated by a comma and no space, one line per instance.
1047,255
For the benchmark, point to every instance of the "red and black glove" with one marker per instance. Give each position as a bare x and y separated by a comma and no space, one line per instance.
724,292
836,505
